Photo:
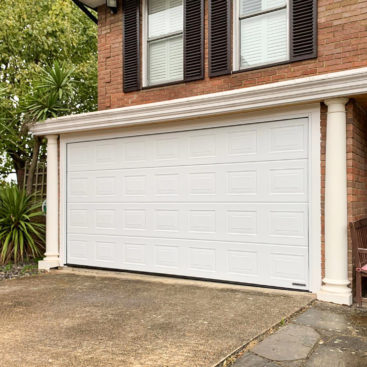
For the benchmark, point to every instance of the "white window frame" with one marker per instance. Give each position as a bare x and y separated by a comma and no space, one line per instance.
237,37
145,41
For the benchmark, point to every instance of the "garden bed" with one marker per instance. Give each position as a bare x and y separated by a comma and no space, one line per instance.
11,271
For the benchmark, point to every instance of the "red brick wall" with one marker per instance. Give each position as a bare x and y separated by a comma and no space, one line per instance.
356,171
342,44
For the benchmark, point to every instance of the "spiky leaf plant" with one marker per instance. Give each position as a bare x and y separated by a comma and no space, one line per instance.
21,236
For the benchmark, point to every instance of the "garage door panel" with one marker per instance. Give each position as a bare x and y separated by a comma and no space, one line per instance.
289,264
241,262
226,203
267,223
278,181
286,138
252,142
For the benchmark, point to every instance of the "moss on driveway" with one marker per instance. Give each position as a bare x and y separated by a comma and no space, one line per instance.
67,319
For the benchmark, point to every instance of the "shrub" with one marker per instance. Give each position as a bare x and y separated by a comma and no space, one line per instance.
21,236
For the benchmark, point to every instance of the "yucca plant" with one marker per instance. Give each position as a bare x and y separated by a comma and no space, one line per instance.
21,236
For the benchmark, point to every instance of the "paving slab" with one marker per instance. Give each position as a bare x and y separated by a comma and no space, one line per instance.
289,343
325,356
72,320
252,360
323,319
352,343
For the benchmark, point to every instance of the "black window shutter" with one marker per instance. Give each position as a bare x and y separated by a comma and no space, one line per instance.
303,29
194,40
219,37
131,51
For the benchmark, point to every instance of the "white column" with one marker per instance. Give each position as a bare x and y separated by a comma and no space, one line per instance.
51,259
335,288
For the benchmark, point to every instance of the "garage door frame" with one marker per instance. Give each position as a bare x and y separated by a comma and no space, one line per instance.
312,112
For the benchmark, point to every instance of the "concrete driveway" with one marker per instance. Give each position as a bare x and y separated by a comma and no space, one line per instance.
73,319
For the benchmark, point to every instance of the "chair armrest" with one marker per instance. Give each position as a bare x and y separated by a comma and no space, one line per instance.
362,250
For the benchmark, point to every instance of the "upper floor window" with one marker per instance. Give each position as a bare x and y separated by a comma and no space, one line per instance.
164,41
262,33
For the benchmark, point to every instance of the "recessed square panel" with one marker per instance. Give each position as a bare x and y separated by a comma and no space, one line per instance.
105,152
167,184
105,218
242,222
202,183
289,266
202,259
202,146
242,182
105,251
135,253
202,221
105,186
78,186
78,155
167,148
78,249
78,218
243,262
134,219
135,185
167,256
135,150
287,138
166,220
287,223
287,181
242,143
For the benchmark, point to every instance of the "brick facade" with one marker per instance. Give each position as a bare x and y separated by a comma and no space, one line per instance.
342,33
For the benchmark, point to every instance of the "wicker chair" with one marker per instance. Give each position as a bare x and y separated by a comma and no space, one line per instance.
358,231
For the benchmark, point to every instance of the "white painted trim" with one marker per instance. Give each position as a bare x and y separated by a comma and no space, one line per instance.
315,199
295,91
63,201
144,48
311,111
236,35
52,259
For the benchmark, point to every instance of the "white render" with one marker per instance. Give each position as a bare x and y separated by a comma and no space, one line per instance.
51,259
335,288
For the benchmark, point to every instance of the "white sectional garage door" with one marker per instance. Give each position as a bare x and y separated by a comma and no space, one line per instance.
227,203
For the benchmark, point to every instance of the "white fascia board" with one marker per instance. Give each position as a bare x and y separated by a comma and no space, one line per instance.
302,90
93,3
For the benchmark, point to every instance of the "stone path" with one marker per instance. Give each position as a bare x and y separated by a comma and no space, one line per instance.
324,335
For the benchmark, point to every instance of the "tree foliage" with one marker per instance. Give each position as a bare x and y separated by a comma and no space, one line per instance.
33,87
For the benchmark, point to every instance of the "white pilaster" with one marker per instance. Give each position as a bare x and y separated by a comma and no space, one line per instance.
51,259
335,288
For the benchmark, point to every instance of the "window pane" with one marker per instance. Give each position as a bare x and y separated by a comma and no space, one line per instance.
253,6
165,17
264,39
166,60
